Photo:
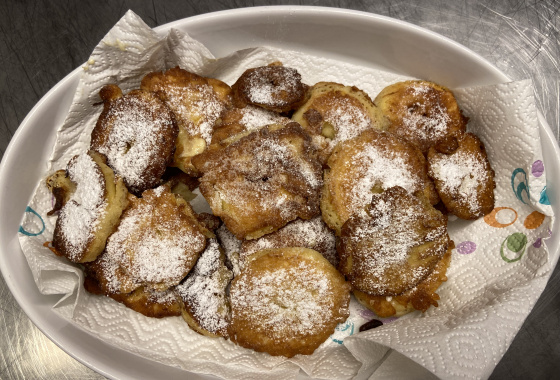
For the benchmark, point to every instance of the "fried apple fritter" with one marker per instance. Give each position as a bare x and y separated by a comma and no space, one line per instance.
421,112
197,103
274,87
393,245
155,245
335,113
92,211
240,120
370,163
313,234
145,301
137,133
262,181
421,297
205,300
287,302
463,176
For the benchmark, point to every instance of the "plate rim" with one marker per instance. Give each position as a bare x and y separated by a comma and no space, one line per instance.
41,322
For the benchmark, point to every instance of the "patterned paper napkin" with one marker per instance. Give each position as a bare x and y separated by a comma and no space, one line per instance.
498,270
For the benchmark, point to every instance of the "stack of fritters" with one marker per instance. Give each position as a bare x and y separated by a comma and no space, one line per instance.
317,192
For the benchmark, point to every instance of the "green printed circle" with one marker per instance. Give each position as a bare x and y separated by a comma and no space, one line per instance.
516,243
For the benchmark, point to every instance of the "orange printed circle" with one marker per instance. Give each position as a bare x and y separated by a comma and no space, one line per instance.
533,220
491,220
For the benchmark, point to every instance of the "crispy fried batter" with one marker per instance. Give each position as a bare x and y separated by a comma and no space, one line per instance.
463,176
393,245
274,87
368,164
262,181
335,113
231,246
197,103
156,244
313,234
239,120
137,133
61,188
421,112
145,301
421,297
93,210
287,302
205,300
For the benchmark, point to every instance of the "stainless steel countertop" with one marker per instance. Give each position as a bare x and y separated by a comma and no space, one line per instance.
42,41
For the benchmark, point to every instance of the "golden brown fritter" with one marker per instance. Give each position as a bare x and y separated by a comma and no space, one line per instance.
313,234
262,181
421,112
205,300
335,113
287,302
368,164
137,133
274,87
241,120
145,301
463,176
197,103
93,210
155,245
420,297
393,245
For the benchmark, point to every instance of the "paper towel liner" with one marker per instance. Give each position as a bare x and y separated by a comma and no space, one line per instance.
499,269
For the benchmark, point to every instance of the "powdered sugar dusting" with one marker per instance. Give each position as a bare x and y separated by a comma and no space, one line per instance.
425,121
152,245
80,216
265,88
158,260
384,169
166,297
269,303
460,174
394,237
131,146
386,234
347,119
419,89
313,234
231,246
256,117
269,168
115,279
272,153
197,108
432,127
204,290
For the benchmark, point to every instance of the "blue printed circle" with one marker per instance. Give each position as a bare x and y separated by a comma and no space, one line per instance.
520,185
35,215
342,331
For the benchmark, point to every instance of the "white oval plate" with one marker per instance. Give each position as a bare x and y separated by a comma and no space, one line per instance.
351,36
